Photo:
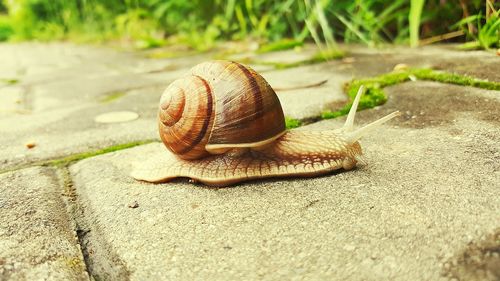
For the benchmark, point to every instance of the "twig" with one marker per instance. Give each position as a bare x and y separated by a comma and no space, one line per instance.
470,27
489,8
441,37
280,89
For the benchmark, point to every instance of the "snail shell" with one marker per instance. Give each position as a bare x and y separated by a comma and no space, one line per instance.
224,124
220,105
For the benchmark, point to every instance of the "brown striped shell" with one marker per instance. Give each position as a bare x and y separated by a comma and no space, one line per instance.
220,105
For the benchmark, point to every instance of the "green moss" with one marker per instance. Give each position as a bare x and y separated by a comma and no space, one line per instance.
73,263
10,81
292,123
280,45
316,58
473,45
6,29
149,43
112,96
327,55
451,78
171,53
67,160
80,156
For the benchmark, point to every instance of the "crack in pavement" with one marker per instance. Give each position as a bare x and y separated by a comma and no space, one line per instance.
100,261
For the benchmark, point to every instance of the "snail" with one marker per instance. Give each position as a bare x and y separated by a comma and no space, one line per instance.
223,124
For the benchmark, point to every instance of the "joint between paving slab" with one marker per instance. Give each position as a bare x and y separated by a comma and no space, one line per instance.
69,159
319,57
113,95
69,198
69,194
87,244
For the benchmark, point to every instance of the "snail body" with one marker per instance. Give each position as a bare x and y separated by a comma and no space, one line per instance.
224,124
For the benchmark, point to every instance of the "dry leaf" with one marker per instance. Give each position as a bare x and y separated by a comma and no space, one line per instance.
30,144
400,67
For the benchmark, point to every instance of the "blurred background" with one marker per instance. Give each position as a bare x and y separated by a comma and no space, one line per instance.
204,24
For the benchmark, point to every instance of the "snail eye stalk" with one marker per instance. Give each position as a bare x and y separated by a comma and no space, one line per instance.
349,122
348,128
351,137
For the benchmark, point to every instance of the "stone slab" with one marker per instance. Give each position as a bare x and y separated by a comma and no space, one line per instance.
37,238
303,103
429,189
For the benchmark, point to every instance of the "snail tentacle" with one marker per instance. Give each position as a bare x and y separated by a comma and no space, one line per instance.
348,128
356,135
349,122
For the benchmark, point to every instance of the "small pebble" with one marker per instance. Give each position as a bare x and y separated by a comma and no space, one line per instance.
133,205
400,67
30,144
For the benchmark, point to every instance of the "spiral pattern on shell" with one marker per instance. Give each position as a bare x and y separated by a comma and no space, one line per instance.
220,105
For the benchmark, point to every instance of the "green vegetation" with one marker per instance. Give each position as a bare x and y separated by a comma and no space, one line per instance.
321,56
414,20
283,44
112,97
274,25
451,78
326,55
6,29
65,161
292,123
488,34
374,94
9,81
164,54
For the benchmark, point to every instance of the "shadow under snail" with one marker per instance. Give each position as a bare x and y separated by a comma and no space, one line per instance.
224,124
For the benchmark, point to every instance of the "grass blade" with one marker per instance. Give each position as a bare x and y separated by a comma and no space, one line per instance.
414,20
355,30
